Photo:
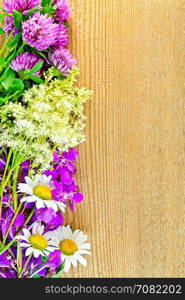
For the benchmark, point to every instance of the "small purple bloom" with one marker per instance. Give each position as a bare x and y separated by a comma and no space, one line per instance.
19,220
72,154
54,260
40,31
9,26
45,214
63,60
76,198
65,176
25,61
20,5
2,163
56,221
4,262
63,11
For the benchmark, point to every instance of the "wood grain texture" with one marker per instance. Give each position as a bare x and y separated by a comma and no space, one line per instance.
132,169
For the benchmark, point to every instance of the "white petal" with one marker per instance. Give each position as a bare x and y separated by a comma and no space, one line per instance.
51,204
84,246
82,260
67,265
29,181
26,233
21,237
36,253
29,199
29,251
24,245
84,252
40,204
40,229
24,188
73,261
61,206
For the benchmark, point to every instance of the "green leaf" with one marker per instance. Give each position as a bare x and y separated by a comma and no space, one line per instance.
15,39
9,79
31,11
17,85
36,67
36,79
60,271
2,61
44,259
17,19
37,276
2,31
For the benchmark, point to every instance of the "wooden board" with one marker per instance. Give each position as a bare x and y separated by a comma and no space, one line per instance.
132,169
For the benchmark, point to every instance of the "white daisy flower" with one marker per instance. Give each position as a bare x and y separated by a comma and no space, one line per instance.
72,246
40,192
35,241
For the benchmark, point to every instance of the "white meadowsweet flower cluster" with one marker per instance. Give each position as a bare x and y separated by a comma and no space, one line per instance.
50,116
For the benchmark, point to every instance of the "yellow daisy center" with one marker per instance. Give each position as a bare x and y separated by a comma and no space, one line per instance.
68,247
38,241
43,192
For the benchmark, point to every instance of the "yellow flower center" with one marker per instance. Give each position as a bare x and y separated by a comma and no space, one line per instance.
43,192
68,247
38,241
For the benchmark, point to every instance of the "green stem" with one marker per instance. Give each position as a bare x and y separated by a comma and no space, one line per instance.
14,188
29,217
10,226
25,265
19,258
7,246
5,43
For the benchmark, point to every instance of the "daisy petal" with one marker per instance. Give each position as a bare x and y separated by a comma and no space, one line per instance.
82,260
29,251
67,265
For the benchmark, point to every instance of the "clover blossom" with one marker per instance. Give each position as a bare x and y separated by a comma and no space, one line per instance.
40,31
25,61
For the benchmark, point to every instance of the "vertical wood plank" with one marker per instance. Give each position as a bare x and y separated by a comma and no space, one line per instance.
132,168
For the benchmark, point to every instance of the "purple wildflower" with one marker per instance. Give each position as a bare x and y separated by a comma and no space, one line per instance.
63,60
72,154
54,260
62,37
65,187
51,219
63,11
76,198
25,61
9,26
2,163
39,31
20,5
4,261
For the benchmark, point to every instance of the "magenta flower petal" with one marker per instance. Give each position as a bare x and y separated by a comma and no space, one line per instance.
65,176
62,37
20,5
19,221
2,163
40,31
54,260
63,60
63,11
45,214
72,154
25,61
4,262
78,197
